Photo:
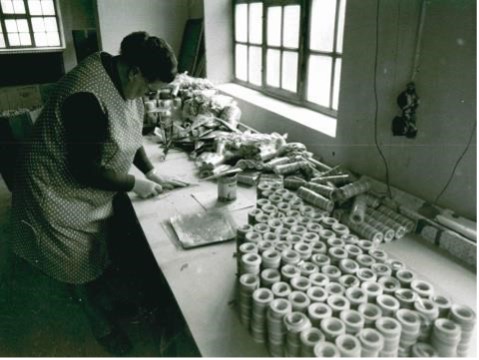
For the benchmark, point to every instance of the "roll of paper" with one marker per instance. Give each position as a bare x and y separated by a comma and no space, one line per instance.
461,225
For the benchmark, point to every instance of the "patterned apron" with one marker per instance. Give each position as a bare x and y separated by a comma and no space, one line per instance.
60,225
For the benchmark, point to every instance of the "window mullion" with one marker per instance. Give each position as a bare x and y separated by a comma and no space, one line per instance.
29,19
282,49
303,34
4,31
27,16
247,42
333,57
299,96
234,37
264,48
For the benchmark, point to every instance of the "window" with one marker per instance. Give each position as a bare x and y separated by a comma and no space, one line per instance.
27,25
291,49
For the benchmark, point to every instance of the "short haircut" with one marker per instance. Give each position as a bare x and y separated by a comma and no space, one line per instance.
153,56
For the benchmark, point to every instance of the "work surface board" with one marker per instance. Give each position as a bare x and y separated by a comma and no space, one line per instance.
203,279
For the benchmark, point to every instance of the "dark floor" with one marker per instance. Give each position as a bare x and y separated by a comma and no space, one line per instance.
39,318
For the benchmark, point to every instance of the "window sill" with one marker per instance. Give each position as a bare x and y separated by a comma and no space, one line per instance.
306,117
32,50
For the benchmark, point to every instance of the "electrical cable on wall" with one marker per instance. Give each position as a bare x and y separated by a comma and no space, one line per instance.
376,102
456,164
408,100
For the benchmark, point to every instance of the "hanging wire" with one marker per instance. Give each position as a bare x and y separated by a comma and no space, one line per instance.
457,164
376,102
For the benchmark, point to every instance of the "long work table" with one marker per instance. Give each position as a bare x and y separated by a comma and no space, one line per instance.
203,279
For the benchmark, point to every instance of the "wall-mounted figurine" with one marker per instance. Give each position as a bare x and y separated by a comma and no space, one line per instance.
408,101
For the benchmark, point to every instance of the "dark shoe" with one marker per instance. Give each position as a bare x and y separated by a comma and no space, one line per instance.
116,342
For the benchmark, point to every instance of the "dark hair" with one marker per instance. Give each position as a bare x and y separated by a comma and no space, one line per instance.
153,56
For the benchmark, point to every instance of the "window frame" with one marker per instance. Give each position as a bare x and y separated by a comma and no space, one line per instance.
300,97
23,49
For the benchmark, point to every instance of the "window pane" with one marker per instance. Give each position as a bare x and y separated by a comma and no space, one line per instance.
272,67
319,79
11,25
51,24
53,39
2,41
291,26
289,71
14,39
274,26
256,23
47,7
255,58
25,39
22,25
18,6
41,39
241,62
7,7
35,7
241,22
341,14
38,24
323,15
337,83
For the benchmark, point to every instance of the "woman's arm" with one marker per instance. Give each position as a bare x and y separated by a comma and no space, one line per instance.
142,162
86,130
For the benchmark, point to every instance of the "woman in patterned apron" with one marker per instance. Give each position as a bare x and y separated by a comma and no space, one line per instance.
83,145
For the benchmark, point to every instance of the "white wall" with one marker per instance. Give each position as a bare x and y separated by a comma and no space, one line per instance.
218,40
76,15
446,84
162,18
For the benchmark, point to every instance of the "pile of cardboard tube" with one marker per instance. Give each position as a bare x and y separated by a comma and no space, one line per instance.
310,285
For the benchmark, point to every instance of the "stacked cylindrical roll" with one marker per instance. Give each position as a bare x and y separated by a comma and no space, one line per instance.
348,346
410,325
387,232
250,263
423,350
324,190
428,312
371,313
390,329
295,322
399,230
372,342
309,287
353,189
465,317
443,304
365,230
309,338
332,328
353,320
401,219
446,336
262,297
315,199
277,310
326,349
358,211
248,283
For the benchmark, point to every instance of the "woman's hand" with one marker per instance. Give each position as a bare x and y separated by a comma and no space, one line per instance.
167,183
147,188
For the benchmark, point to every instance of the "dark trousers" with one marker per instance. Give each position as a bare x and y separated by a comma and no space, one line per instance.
133,276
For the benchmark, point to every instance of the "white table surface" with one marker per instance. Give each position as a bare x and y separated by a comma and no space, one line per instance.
203,279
